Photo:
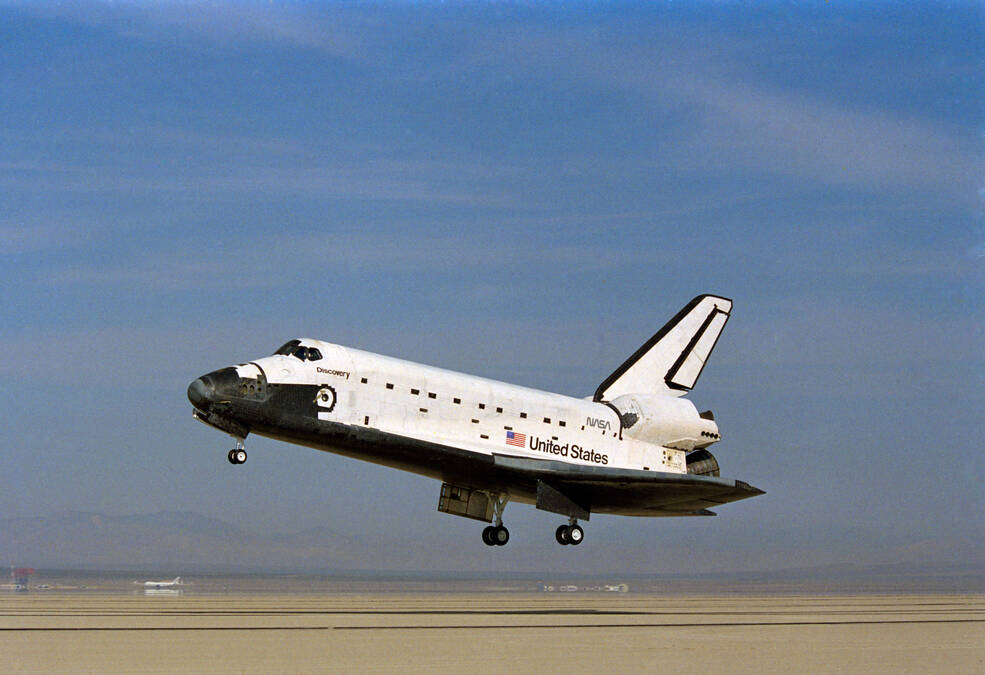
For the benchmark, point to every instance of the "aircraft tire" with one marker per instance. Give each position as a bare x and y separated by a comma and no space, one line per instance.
500,536
576,535
561,534
241,456
231,456
487,536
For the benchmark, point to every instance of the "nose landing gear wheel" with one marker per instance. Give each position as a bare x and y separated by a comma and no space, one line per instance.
236,456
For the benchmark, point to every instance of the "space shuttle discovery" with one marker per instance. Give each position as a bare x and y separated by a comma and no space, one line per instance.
637,447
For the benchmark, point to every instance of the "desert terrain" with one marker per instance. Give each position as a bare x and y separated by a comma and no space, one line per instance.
490,632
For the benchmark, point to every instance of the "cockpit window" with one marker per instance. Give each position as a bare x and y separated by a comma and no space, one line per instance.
296,349
288,347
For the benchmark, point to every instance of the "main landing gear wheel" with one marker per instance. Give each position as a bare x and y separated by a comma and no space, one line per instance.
569,534
495,535
500,535
236,456
575,534
561,534
487,536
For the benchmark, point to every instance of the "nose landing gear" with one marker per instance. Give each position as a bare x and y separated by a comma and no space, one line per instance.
238,454
570,533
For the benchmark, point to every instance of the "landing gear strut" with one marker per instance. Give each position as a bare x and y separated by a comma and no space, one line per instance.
570,533
238,454
497,535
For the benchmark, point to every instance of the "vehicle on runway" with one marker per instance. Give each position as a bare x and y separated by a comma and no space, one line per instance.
636,447
161,584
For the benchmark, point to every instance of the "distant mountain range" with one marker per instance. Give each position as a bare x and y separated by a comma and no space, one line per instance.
175,539
183,542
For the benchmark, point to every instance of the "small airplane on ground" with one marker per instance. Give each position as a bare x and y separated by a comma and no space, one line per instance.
162,584
636,447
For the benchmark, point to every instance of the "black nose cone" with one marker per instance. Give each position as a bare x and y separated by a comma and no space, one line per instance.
201,392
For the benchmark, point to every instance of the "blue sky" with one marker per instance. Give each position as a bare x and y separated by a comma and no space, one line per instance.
521,191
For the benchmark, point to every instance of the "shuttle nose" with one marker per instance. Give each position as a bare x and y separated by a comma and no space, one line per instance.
201,392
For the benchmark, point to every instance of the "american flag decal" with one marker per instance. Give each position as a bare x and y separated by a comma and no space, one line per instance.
514,438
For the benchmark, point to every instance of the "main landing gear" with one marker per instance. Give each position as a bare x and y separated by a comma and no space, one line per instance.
497,535
570,533
238,454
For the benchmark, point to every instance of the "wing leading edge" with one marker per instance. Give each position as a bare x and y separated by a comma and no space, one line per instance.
599,489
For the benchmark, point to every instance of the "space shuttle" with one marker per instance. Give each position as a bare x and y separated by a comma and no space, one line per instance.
636,447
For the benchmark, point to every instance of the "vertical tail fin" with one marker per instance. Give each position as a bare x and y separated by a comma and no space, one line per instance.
675,356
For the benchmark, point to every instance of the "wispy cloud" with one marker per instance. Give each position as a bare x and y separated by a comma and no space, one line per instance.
286,174
839,334
15,239
272,261
831,144
331,30
734,120
28,235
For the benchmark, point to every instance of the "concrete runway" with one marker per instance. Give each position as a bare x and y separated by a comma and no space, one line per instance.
492,633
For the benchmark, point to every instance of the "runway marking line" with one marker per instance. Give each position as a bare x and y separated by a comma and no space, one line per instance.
736,624
528,612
